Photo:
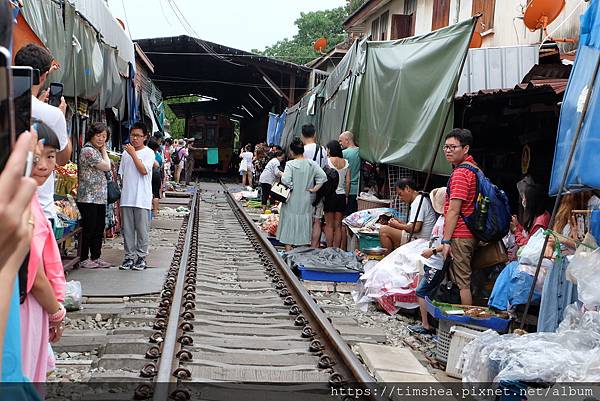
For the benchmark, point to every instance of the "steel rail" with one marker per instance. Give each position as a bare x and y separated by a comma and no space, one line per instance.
168,360
345,362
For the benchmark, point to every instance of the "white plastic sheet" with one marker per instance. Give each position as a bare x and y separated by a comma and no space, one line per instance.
571,354
392,275
585,269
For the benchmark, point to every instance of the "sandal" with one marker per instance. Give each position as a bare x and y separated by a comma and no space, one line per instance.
418,329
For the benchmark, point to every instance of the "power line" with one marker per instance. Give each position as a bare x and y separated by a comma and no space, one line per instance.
126,20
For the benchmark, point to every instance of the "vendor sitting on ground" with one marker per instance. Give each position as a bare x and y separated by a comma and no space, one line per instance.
396,233
433,262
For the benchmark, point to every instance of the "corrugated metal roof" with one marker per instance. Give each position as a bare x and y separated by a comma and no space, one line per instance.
555,86
496,67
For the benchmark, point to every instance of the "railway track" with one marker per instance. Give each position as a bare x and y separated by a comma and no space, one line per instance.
230,312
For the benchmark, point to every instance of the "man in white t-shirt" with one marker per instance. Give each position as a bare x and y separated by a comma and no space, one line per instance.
136,197
396,233
38,58
318,154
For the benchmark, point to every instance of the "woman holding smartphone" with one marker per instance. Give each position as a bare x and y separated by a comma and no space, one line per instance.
91,195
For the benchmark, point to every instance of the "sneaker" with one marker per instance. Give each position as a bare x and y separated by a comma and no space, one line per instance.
127,264
140,264
102,263
418,329
88,264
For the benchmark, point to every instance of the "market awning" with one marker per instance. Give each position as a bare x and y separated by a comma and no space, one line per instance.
240,82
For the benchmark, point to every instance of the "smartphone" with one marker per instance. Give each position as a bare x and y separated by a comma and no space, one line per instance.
6,108
55,94
22,79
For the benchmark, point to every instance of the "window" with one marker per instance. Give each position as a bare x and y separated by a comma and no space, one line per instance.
375,29
485,7
383,25
402,26
210,136
441,14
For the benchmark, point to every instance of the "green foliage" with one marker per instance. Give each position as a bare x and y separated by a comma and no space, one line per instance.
311,26
177,125
354,5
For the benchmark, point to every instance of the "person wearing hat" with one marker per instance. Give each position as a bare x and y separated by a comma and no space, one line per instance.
433,262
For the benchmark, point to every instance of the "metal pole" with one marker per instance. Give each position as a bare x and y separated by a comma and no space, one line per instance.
442,131
561,187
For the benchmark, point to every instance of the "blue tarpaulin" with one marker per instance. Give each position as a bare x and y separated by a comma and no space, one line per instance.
275,128
584,171
271,128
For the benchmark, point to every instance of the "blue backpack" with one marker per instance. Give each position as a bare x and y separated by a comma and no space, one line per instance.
490,220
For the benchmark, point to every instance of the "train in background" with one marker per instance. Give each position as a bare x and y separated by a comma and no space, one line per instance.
211,131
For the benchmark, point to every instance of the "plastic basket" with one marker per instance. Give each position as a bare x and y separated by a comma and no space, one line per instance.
368,241
495,323
59,232
460,336
364,204
442,348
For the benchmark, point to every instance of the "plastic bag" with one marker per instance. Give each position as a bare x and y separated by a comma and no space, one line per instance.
73,296
530,253
396,272
585,268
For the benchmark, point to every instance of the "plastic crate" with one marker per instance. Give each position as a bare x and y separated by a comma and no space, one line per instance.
442,348
368,241
348,276
459,337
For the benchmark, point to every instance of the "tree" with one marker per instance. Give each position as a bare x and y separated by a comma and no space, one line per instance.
354,5
311,26
177,125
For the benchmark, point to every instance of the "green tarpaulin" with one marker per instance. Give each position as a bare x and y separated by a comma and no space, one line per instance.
403,93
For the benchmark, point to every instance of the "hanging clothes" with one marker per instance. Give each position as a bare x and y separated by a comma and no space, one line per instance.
557,294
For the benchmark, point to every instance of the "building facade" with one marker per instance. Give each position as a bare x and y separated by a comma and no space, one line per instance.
500,25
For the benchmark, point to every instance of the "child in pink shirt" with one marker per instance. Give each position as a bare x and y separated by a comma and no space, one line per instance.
42,314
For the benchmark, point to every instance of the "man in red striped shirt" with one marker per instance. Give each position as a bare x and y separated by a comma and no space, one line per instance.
458,240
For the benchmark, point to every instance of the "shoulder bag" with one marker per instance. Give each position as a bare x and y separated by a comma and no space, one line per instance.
280,192
113,192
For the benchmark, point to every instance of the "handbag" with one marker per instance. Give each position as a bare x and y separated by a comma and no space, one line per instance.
280,192
113,192
447,292
243,166
489,255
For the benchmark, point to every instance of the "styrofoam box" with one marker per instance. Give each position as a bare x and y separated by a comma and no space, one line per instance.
461,336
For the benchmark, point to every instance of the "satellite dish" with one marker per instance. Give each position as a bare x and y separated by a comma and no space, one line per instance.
320,45
540,13
476,41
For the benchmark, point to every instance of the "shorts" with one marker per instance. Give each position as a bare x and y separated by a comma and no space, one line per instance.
335,203
266,193
352,205
156,183
462,253
430,282
318,210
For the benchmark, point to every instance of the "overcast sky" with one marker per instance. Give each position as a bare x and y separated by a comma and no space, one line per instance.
241,24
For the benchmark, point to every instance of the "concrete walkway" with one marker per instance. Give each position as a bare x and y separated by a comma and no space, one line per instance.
113,282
